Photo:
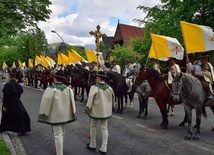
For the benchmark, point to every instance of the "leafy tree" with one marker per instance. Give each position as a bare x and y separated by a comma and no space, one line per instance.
164,19
17,15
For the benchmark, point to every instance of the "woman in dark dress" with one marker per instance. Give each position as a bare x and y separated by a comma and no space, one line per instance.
14,115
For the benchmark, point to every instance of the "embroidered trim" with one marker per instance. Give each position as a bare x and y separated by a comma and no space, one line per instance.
60,86
102,86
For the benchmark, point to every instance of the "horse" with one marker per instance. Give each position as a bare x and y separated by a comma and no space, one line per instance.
143,91
190,90
118,83
160,91
80,80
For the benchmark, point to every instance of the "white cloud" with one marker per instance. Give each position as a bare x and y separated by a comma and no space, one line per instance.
73,20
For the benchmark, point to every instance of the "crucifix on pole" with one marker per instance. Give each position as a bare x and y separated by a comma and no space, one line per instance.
97,34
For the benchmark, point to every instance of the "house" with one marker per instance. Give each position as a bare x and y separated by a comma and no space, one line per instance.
123,35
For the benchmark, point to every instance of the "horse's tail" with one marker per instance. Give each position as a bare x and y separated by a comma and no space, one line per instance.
204,113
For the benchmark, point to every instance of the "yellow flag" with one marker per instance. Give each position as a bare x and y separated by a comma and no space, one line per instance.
24,64
197,38
20,63
37,60
64,59
14,64
52,63
44,61
91,56
71,58
4,65
59,59
165,47
30,62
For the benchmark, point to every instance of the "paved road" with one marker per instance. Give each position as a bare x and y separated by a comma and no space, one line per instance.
127,134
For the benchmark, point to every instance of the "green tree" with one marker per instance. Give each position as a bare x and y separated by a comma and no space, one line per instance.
17,15
164,19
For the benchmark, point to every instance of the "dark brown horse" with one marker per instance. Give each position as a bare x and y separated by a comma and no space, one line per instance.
160,91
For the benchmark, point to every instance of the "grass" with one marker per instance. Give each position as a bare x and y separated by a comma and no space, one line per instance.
3,148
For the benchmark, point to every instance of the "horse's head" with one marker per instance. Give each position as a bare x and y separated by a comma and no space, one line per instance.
135,68
177,84
141,76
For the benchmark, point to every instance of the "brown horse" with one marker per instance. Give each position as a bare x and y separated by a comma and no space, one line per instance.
160,91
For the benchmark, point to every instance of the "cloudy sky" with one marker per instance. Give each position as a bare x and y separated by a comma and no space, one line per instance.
74,19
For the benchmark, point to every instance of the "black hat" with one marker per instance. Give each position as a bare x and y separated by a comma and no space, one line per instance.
127,59
59,74
204,55
152,58
101,74
171,58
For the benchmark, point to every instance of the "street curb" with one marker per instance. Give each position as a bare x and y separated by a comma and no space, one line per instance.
8,142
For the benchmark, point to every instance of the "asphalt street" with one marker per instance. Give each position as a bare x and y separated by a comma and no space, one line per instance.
128,135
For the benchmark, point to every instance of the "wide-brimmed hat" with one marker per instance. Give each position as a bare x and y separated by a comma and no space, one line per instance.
59,74
171,58
204,55
127,60
101,74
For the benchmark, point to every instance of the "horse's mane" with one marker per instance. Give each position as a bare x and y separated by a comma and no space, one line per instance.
155,74
114,75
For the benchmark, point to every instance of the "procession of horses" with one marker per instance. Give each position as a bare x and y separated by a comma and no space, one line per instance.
186,89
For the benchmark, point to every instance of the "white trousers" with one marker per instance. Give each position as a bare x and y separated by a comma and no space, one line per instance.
104,132
59,136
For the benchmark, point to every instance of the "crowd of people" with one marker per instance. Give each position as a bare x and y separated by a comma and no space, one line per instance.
58,108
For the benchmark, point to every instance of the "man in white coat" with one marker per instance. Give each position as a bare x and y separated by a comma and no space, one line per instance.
57,109
99,108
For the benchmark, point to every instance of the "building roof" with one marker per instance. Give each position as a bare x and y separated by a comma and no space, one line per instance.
124,33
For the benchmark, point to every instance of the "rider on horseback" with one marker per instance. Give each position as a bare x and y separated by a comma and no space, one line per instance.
204,71
129,78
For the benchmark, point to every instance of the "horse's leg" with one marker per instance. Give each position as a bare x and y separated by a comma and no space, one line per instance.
163,110
212,108
182,124
131,97
121,104
118,104
75,92
126,101
140,106
188,111
145,106
82,94
198,122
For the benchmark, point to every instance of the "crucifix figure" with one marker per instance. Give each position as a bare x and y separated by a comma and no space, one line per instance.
97,34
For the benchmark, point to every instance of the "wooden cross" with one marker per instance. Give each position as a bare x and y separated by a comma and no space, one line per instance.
97,34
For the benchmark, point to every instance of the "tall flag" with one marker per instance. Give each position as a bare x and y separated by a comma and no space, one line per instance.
14,64
59,59
71,58
44,61
20,63
165,47
52,62
91,56
4,65
197,38
37,60
64,59
30,62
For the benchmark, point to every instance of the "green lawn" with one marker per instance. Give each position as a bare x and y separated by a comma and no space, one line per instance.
3,148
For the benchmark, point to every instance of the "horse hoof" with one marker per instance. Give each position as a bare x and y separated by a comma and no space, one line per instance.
196,138
121,112
195,126
138,116
212,129
165,127
186,138
144,118
182,124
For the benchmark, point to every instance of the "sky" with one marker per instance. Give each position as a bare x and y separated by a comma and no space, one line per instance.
74,19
